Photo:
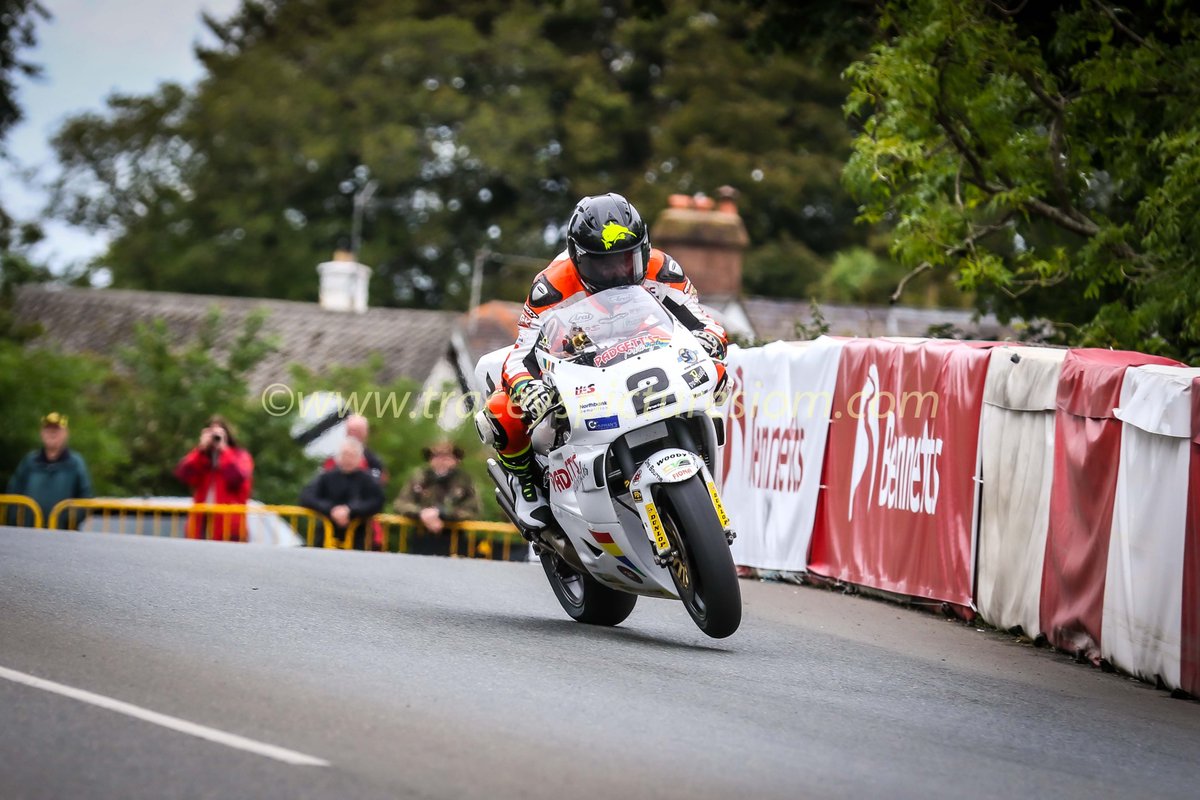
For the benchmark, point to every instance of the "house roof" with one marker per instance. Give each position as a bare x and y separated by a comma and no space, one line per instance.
776,319
409,341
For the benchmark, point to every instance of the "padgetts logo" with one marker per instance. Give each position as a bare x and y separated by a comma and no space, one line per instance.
907,466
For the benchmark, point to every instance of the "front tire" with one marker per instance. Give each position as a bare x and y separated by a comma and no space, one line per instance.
583,597
704,575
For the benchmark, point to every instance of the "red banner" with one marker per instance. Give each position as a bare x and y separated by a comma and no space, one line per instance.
898,511
1189,677
1087,451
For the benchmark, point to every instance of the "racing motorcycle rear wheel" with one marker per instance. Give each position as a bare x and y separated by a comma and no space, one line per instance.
704,572
583,597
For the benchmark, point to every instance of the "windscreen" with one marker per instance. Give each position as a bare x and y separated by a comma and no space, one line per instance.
608,327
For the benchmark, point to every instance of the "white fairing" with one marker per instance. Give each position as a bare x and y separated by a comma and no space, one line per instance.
665,375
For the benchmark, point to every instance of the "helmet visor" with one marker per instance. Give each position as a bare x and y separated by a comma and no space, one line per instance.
606,270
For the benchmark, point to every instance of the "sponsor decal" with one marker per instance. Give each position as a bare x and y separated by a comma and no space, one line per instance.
907,466
602,423
772,452
605,540
562,479
688,356
613,232
595,407
582,390
722,517
679,473
671,461
634,345
656,529
637,496
581,317
696,376
628,573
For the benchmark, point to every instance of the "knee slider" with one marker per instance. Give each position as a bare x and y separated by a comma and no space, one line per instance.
490,431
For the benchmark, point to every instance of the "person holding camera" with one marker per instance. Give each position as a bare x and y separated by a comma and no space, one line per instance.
217,470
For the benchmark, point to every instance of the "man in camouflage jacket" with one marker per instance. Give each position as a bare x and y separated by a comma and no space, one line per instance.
436,494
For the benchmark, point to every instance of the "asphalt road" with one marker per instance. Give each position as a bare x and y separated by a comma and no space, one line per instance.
436,678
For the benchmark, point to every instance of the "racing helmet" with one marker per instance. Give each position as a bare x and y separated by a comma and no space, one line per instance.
607,242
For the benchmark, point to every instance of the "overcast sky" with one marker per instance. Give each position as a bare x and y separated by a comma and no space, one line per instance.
90,49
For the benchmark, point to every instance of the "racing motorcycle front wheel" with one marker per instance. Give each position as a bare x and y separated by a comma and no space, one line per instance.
703,572
583,597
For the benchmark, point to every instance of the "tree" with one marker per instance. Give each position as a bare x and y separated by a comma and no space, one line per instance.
1048,154
480,123
17,22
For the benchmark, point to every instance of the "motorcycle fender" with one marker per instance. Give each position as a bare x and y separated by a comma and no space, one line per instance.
670,465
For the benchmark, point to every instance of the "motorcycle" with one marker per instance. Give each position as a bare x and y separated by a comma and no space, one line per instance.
625,458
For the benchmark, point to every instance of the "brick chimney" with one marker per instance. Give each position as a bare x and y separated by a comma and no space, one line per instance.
707,238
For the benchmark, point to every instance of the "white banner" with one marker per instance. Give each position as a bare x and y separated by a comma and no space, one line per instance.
776,429
1017,444
1143,589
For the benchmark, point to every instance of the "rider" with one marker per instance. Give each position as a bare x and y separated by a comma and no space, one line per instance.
607,246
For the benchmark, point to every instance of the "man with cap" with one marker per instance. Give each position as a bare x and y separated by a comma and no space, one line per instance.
55,472
438,493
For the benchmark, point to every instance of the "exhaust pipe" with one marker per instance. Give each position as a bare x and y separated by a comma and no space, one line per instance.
545,538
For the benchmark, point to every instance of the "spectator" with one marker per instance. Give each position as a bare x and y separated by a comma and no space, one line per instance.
358,428
346,495
436,494
52,474
217,471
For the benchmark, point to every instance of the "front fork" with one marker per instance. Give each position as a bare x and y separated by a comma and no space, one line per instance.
671,465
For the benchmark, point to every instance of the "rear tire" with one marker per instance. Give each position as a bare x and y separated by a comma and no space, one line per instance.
705,575
583,597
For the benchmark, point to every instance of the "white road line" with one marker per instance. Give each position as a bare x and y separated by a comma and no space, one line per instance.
166,721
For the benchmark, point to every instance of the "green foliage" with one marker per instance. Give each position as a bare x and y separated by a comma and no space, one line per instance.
477,123
36,381
859,275
1048,154
17,21
171,391
817,325
782,268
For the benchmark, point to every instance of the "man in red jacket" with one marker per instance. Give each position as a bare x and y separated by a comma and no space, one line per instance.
217,471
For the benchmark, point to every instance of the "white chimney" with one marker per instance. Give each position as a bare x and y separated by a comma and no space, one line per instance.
344,283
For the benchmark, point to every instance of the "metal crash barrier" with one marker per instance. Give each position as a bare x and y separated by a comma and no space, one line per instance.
148,517
468,539
19,510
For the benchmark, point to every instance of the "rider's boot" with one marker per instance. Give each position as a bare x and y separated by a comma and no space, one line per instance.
533,512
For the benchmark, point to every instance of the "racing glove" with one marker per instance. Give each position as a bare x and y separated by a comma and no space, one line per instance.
712,345
535,399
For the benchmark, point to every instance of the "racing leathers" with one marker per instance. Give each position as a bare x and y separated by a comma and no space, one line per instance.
556,284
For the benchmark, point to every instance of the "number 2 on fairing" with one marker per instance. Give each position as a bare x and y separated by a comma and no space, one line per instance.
646,386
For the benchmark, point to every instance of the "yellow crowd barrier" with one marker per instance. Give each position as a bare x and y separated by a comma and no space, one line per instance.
171,519
26,508
468,539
